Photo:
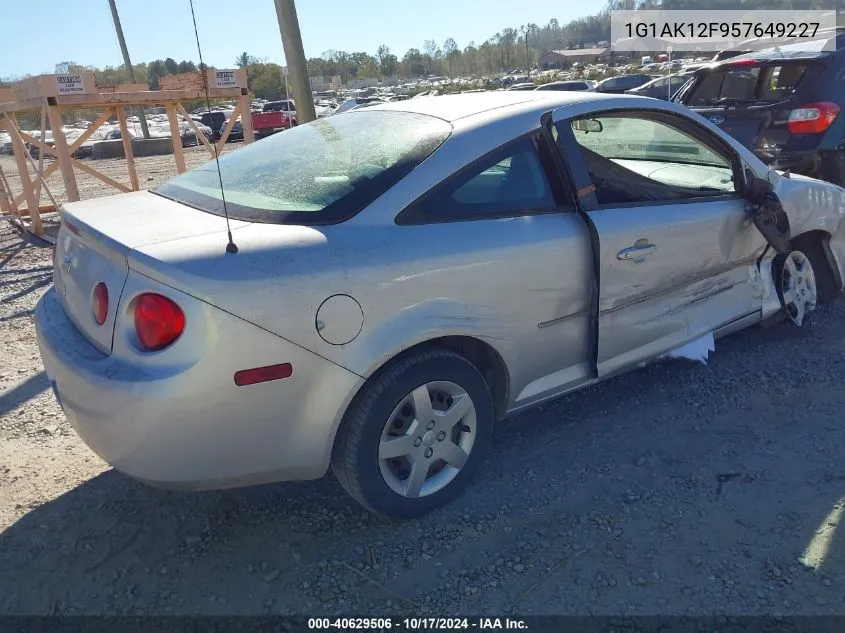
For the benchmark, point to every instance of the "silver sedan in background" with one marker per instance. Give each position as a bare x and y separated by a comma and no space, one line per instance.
378,288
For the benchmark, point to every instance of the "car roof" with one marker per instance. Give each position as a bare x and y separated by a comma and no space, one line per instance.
458,106
804,50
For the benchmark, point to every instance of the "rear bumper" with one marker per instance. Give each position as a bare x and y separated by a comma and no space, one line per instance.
824,164
191,427
799,162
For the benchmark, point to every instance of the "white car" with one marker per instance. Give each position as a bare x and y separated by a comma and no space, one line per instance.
376,289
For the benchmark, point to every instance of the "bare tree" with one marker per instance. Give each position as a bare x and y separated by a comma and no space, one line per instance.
450,49
432,52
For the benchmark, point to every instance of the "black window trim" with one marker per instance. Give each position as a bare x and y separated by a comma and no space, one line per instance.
414,213
695,129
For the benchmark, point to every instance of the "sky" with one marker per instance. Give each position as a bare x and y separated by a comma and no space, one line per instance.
156,29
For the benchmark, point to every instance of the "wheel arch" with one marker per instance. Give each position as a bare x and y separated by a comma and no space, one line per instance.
481,354
817,241
484,356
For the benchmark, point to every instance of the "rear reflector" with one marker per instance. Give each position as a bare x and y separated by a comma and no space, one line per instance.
100,303
263,374
812,118
71,227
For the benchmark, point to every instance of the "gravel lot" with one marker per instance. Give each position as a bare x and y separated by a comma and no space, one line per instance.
679,489
152,170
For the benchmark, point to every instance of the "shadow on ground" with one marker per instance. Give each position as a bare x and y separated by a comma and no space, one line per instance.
694,488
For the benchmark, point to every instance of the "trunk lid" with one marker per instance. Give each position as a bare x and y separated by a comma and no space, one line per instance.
94,242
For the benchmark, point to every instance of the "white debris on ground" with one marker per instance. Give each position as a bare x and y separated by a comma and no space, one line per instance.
698,349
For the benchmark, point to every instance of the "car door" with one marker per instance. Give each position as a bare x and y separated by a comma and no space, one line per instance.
676,249
525,267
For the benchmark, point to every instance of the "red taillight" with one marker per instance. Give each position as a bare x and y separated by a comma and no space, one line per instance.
263,374
158,321
742,62
100,303
812,118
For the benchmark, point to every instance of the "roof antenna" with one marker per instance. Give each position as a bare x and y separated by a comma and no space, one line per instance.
231,247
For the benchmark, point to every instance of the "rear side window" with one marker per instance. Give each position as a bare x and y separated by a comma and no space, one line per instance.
510,182
513,182
322,172
746,84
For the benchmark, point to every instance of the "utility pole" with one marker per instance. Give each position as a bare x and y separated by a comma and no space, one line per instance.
143,118
295,60
526,30
527,54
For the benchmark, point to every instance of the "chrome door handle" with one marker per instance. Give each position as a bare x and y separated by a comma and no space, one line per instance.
636,253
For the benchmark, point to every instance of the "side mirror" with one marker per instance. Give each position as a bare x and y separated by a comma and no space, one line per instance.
587,125
757,189
768,214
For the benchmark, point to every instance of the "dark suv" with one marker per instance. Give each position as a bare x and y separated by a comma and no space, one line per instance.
782,103
215,120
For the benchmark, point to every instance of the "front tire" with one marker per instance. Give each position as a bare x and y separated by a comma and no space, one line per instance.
413,437
795,281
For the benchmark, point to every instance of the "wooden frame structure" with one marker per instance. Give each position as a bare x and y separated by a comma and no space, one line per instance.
45,94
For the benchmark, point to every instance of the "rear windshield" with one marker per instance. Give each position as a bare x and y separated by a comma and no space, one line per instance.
321,172
748,84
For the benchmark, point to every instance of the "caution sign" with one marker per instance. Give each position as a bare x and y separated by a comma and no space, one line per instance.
225,79
69,84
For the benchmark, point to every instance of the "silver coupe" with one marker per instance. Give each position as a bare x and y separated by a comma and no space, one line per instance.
373,291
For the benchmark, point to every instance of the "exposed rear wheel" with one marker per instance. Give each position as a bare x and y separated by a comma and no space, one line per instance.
412,438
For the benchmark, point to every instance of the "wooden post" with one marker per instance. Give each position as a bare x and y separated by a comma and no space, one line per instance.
127,148
227,130
6,199
40,172
246,118
197,131
23,172
63,153
176,136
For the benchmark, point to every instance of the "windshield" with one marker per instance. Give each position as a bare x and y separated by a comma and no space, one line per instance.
748,84
321,172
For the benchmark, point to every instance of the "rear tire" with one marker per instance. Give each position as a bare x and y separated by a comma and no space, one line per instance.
415,434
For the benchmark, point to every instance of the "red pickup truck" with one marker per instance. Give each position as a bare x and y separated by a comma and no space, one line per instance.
272,120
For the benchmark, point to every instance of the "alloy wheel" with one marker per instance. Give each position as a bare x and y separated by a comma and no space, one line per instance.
427,439
798,287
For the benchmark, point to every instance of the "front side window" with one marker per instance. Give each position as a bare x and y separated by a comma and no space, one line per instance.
633,158
511,182
321,172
